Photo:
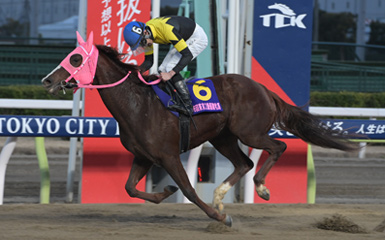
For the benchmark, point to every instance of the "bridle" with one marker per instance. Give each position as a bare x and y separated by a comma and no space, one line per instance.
85,73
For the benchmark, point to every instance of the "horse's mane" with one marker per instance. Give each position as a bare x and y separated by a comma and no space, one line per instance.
115,56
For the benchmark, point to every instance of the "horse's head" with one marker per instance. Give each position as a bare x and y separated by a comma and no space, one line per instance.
78,68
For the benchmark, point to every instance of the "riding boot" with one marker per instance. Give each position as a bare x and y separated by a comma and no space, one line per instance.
187,107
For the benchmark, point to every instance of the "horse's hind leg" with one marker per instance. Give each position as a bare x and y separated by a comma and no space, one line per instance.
227,145
139,168
275,149
175,169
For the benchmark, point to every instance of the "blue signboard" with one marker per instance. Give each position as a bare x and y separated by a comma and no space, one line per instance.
362,129
282,46
29,126
33,126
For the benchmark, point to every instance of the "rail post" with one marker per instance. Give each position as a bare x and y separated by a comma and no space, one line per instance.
44,170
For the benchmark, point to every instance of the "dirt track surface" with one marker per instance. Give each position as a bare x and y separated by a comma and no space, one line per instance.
357,185
182,221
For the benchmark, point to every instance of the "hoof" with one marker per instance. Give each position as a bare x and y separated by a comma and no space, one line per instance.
265,195
228,221
170,189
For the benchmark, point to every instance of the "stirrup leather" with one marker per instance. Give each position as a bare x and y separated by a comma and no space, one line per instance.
182,109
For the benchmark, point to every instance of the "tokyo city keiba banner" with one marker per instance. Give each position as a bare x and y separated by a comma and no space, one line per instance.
281,61
106,164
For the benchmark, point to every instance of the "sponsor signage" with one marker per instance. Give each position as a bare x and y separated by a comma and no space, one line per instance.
107,20
282,48
27,126
33,126
283,17
281,61
106,163
362,129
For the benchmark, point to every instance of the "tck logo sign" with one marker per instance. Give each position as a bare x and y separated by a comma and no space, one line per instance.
287,17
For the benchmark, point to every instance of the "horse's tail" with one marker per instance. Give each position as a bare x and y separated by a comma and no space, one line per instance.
309,127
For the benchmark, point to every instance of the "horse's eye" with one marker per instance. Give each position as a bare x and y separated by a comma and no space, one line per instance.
76,60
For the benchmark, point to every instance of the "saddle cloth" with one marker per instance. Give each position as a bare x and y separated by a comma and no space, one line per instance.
203,96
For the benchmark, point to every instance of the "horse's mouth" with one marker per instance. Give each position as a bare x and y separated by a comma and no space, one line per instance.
55,88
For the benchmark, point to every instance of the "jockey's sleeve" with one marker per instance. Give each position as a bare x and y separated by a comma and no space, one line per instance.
185,59
148,62
181,46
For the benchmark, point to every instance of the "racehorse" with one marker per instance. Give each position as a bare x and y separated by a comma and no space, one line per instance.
151,133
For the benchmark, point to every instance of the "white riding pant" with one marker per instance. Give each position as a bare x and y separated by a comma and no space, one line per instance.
196,43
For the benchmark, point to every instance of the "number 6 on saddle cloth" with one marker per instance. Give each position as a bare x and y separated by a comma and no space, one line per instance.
202,92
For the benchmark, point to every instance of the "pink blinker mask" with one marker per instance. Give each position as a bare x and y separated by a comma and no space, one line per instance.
85,73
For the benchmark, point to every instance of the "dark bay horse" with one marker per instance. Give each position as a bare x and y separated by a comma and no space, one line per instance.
151,132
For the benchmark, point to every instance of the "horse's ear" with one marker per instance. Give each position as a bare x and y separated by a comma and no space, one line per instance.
90,40
80,39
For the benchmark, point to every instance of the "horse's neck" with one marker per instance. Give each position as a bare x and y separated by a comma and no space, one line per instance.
124,99
121,99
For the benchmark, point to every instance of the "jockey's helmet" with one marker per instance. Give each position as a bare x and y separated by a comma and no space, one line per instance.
134,34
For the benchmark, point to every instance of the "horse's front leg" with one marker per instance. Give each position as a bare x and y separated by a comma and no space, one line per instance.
227,144
175,169
139,169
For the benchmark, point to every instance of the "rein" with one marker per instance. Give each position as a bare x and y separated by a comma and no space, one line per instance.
112,84
76,86
67,84
148,83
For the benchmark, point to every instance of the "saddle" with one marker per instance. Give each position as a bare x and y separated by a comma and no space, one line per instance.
203,97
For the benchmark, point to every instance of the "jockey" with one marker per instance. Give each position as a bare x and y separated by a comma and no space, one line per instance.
188,39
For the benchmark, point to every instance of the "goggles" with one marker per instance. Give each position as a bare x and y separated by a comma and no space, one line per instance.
143,42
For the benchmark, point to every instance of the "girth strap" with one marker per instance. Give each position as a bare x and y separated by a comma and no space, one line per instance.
184,126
